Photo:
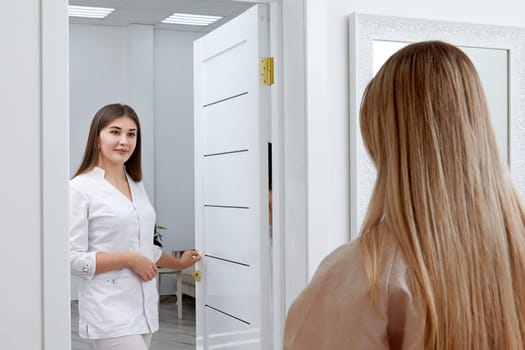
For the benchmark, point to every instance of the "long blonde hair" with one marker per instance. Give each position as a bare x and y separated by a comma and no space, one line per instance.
446,196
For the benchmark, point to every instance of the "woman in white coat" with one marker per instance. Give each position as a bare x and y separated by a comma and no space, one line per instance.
111,224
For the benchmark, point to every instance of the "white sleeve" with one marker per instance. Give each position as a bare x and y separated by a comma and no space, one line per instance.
82,262
157,252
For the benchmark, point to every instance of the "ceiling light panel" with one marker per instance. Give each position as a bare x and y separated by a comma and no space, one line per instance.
189,19
88,12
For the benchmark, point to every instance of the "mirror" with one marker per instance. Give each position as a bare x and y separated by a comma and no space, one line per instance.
492,67
497,55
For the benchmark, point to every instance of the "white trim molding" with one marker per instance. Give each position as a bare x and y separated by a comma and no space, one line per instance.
55,175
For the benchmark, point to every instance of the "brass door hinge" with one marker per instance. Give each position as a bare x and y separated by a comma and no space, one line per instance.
266,70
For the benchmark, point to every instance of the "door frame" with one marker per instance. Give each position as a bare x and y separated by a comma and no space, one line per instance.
290,274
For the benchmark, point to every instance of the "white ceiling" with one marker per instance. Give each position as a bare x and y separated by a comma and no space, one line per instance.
154,11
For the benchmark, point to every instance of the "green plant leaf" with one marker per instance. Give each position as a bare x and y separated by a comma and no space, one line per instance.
157,236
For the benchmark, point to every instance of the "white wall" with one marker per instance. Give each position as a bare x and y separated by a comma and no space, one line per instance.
327,120
290,201
20,186
174,171
29,219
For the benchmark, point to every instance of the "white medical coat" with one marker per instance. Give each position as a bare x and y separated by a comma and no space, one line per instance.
103,220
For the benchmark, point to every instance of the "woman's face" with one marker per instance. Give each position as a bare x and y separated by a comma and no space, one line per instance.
117,141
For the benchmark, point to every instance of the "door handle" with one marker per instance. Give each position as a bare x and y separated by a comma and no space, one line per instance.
196,275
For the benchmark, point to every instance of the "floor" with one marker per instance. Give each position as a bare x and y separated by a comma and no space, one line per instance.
173,334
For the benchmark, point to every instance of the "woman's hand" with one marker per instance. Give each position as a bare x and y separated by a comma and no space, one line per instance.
143,267
190,258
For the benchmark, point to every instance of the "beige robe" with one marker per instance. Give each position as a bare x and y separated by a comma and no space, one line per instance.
335,310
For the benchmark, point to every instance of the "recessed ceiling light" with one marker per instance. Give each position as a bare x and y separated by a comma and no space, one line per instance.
89,12
192,20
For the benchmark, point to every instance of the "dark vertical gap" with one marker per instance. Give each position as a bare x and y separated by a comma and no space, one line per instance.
270,187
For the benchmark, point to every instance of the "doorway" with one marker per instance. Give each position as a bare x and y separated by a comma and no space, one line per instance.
288,43
150,68
132,58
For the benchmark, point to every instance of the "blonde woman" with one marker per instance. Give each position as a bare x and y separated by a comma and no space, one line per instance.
440,262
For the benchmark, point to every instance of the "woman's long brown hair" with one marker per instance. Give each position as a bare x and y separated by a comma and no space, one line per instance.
446,196
102,118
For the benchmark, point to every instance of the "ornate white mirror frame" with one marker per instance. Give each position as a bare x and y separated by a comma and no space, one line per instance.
365,29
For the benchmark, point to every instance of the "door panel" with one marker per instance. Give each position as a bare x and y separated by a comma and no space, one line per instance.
230,115
235,79
228,180
233,289
230,234
231,185
228,333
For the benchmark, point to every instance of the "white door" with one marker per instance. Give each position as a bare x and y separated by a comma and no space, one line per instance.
232,120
